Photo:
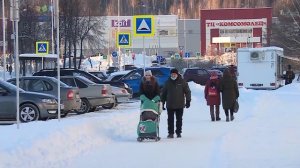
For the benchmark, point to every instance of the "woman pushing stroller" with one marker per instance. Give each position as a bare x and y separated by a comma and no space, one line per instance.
150,108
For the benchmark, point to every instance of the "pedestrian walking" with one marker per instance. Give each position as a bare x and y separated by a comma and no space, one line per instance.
10,69
149,86
289,75
212,96
230,92
176,94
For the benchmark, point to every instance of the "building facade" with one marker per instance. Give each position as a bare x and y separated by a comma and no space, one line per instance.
225,30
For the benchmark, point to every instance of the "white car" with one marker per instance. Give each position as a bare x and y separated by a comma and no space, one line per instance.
115,76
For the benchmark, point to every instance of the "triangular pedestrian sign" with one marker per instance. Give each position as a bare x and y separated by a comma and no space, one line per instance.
124,40
42,48
144,26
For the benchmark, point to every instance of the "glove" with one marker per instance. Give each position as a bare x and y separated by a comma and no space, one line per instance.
163,106
187,104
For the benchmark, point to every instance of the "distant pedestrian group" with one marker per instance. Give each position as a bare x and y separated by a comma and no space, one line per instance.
176,95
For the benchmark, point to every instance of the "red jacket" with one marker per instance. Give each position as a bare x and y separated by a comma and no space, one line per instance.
212,99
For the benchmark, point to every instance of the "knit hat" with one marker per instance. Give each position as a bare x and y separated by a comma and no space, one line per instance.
174,71
149,73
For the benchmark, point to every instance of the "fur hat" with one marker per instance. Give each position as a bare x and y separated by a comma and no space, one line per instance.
148,73
174,71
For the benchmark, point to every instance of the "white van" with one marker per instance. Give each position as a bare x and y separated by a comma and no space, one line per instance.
260,68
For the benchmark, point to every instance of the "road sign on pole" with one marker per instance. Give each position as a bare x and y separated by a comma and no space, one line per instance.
114,54
123,40
187,55
42,47
143,25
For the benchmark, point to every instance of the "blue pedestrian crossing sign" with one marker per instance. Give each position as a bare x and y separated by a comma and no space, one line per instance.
187,55
42,47
123,40
143,25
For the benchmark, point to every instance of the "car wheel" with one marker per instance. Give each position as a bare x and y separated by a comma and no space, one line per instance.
84,108
111,105
28,113
63,115
92,109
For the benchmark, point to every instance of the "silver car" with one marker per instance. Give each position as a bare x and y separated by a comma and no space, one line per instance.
92,95
33,106
122,95
44,84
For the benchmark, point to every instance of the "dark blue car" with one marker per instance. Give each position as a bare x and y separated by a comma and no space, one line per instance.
133,78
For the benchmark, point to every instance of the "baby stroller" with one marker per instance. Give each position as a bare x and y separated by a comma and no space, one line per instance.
148,127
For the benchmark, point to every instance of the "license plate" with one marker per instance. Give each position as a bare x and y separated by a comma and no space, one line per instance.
77,96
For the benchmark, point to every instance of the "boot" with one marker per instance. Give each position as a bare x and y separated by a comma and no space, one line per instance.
170,136
227,118
212,115
231,118
218,115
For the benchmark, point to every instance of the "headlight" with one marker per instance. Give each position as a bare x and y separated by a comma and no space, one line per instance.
126,86
49,101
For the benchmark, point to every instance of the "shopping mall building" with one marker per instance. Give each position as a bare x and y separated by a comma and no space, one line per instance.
225,30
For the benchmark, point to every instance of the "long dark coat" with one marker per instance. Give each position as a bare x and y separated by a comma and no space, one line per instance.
229,89
176,93
149,88
212,100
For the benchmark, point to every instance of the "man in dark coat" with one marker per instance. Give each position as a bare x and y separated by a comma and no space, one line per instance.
289,76
212,96
230,92
177,95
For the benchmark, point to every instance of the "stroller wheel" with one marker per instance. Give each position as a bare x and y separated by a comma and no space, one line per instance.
157,139
139,139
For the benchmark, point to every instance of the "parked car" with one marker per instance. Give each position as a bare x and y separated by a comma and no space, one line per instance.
197,75
122,96
111,70
129,67
77,72
92,95
218,72
100,74
43,84
33,106
115,76
133,78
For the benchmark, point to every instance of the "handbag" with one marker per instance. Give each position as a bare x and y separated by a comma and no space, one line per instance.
236,106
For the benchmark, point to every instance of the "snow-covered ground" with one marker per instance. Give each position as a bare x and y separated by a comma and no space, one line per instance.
264,134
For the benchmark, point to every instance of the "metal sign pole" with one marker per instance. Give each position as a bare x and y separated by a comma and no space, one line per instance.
58,60
144,54
4,40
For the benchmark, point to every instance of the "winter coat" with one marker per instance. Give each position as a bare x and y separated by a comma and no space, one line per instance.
175,93
212,99
149,88
289,77
229,89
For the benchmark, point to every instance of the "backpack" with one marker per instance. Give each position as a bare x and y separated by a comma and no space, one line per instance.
212,91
